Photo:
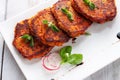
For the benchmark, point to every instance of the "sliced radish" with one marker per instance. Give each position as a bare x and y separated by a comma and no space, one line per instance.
51,61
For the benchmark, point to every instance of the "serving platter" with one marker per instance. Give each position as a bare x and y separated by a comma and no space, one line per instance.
99,49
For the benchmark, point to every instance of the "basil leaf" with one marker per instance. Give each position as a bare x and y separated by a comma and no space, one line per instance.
68,13
28,38
65,53
90,4
75,59
51,25
67,57
68,49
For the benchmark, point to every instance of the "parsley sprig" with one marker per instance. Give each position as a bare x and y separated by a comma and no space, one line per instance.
90,4
67,57
29,39
51,25
68,13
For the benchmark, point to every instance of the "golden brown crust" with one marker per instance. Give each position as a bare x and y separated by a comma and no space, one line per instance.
72,28
45,34
105,10
24,48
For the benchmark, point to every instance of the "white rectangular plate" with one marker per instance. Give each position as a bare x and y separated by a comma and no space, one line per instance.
98,48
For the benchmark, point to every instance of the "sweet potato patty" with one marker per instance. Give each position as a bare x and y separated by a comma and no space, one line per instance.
44,33
72,28
105,10
37,51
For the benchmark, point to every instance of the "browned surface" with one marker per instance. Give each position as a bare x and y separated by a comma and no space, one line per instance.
24,48
45,34
72,28
105,10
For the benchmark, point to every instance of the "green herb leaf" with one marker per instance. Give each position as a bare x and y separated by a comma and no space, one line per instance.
28,38
90,4
87,33
68,13
32,42
75,59
54,28
65,53
45,21
67,57
51,25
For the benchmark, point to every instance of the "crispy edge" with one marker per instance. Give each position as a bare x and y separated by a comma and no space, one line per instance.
98,20
61,25
24,32
47,41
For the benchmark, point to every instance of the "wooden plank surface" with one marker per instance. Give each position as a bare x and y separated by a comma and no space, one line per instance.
110,72
2,18
10,69
9,65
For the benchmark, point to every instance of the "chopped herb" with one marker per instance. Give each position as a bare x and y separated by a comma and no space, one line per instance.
67,57
45,21
68,13
87,33
51,25
90,4
28,38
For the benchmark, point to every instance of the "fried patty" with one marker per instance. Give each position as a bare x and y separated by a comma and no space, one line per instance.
72,28
105,10
37,51
44,33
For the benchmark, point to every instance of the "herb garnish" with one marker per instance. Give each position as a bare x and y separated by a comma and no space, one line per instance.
67,57
68,13
90,4
29,39
51,25
87,33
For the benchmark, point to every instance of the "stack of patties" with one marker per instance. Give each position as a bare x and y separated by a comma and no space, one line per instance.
54,26
35,37
45,28
69,20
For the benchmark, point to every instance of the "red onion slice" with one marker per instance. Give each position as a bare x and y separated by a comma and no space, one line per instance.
52,61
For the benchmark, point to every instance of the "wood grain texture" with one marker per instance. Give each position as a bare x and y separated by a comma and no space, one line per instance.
110,72
2,18
11,70
9,65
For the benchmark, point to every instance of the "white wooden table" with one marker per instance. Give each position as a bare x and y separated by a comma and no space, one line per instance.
9,70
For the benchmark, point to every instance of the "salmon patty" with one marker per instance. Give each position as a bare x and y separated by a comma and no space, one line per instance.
37,50
45,28
102,10
68,20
